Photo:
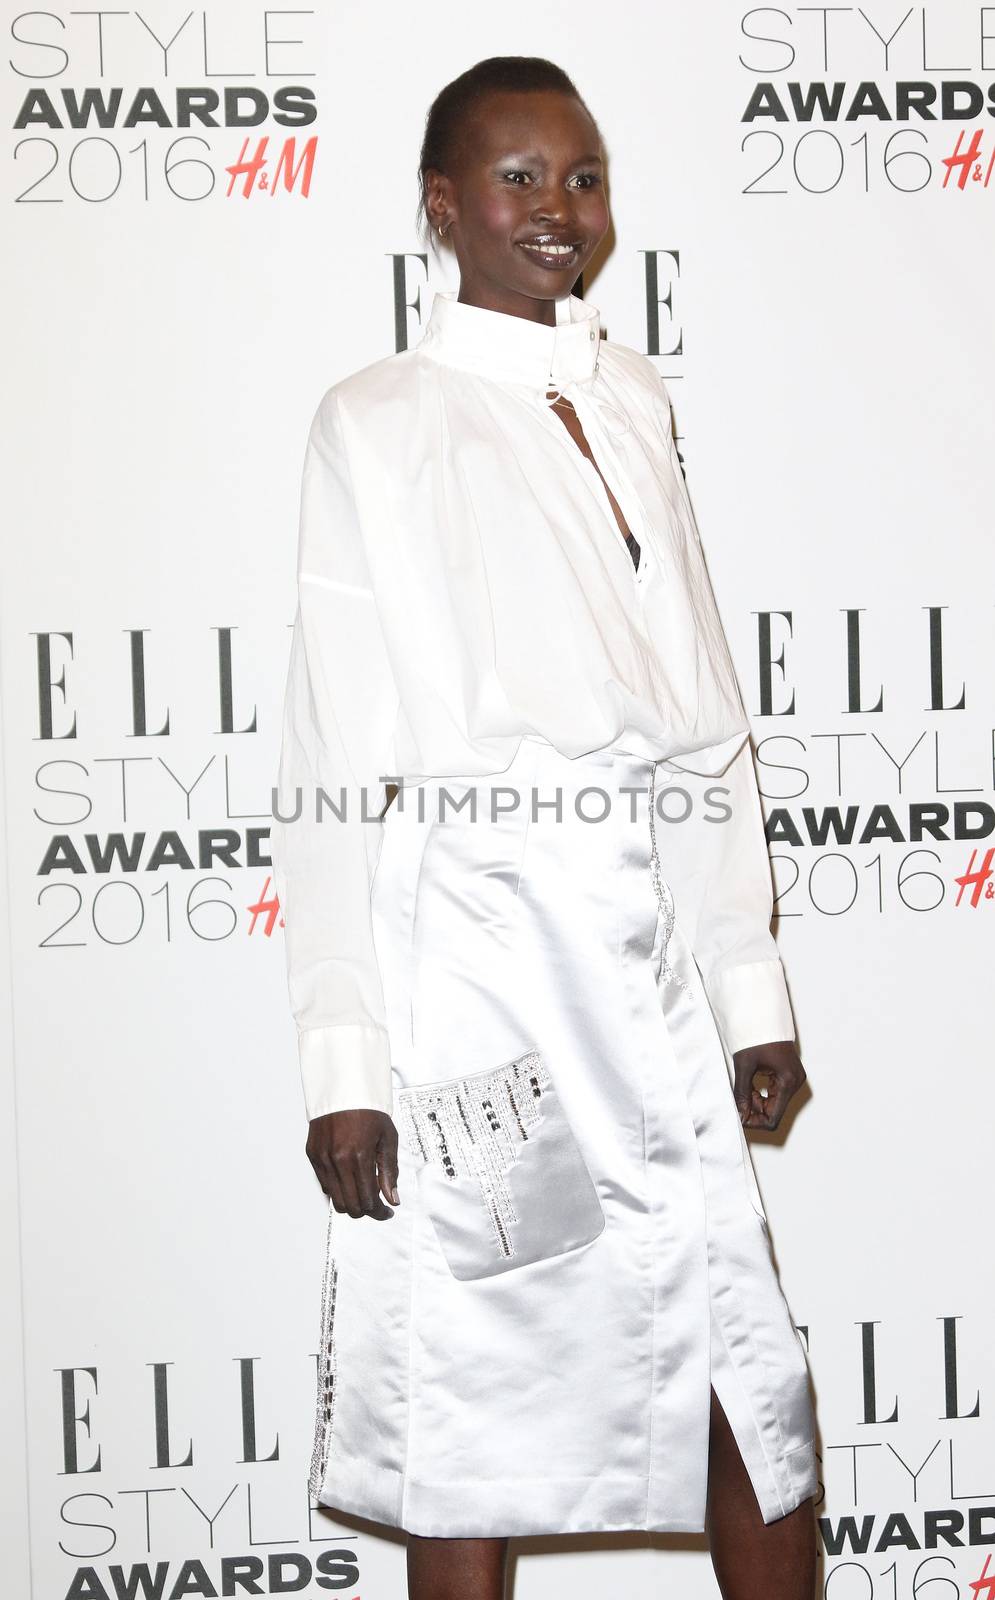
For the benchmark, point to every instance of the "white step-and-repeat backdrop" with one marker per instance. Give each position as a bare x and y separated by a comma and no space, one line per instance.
210,218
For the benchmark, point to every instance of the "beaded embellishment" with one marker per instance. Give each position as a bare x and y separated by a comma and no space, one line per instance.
664,893
326,1367
475,1126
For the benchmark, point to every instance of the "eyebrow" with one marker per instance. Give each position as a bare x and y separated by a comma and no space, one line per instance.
521,155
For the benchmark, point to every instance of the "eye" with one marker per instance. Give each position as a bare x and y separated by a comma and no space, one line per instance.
589,179
517,172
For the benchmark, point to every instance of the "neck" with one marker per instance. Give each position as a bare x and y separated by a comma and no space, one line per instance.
495,297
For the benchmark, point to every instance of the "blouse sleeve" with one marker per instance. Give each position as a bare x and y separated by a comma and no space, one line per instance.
718,863
339,715
719,867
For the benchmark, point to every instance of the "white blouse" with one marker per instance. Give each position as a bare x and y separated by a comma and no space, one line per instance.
462,582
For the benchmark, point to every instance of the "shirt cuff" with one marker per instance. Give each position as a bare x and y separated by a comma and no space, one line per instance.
345,1068
751,1004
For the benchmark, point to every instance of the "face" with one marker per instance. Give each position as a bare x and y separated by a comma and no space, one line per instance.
524,206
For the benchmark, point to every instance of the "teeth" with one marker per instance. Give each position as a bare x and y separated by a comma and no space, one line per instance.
551,249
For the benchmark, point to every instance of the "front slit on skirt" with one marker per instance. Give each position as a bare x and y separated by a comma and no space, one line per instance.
580,1254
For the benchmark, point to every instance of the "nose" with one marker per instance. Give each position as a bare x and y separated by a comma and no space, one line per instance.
550,205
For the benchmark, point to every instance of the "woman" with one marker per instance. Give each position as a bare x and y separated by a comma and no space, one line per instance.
516,984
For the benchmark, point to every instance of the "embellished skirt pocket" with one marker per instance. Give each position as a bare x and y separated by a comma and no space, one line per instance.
501,1175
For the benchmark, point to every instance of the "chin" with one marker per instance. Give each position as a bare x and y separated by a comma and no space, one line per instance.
546,285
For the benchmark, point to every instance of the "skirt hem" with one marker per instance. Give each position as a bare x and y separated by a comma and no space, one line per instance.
510,1508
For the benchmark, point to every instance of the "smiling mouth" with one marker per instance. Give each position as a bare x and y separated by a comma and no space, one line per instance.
548,252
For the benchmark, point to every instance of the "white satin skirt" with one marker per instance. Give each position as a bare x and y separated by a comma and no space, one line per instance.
527,1346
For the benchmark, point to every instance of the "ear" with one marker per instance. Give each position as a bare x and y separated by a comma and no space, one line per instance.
440,208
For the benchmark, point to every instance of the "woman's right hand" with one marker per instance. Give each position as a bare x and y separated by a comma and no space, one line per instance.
354,1155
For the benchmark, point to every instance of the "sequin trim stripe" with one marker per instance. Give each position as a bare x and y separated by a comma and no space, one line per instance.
475,1127
326,1366
664,894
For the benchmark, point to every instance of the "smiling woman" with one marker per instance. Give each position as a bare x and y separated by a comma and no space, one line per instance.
550,1304
498,153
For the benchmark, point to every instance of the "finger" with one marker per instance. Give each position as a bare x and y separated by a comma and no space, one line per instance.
330,1183
763,1096
742,1091
759,1104
777,1102
324,1170
387,1170
764,1103
364,1176
347,1183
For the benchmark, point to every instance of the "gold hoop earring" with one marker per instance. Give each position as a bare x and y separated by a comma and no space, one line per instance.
442,232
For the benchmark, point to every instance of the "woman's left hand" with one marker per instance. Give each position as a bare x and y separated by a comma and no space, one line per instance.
781,1074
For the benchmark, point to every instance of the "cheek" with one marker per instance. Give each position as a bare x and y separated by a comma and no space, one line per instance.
594,214
497,213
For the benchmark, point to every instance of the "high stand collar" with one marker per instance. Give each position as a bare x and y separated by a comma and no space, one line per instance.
510,349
